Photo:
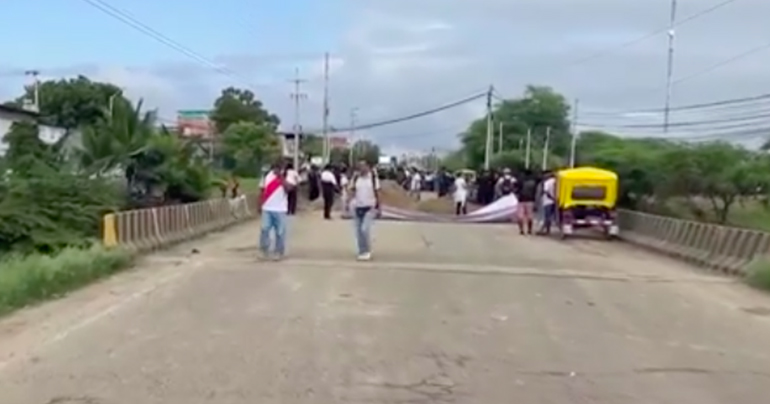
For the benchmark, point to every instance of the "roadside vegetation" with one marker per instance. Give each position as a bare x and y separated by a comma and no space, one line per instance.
710,180
116,154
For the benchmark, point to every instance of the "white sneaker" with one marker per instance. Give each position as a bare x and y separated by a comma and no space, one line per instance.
365,257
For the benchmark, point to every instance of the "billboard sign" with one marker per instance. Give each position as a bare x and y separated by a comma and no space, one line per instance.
195,123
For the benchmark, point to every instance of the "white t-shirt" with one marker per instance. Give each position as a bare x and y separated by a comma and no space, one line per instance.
293,176
278,201
328,176
549,188
460,193
416,183
364,191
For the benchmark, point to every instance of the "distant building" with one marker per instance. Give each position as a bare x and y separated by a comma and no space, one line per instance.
48,134
195,124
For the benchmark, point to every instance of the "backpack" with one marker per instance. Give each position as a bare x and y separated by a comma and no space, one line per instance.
506,188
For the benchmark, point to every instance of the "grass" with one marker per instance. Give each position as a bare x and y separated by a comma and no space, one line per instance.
248,186
749,214
758,273
30,279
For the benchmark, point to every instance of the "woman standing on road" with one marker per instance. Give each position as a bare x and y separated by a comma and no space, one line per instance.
364,199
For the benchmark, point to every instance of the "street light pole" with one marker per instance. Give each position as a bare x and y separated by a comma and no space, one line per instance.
670,66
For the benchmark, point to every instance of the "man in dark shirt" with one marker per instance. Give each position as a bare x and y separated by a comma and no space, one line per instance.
486,188
526,192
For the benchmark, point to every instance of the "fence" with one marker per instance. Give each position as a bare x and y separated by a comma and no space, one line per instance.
723,248
147,229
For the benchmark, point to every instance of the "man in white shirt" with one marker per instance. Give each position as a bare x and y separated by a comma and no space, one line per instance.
292,176
460,195
548,201
328,189
415,185
274,207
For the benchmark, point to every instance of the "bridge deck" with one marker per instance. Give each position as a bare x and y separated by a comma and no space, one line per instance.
445,313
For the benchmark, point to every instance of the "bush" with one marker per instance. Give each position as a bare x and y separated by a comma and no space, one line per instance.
52,210
758,274
29,279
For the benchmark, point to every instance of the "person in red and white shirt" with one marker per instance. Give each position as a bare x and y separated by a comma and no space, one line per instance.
274,206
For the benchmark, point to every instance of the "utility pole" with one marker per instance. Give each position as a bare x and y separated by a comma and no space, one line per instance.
326,146
573,142
500,137
545,147
35,89
670,69
488,143
297,96
528,153
353,123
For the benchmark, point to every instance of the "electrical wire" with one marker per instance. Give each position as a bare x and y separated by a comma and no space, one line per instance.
687,123
723,63
131,21
411,116
739,102
651,34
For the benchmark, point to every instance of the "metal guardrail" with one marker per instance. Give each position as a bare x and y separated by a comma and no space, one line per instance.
147,229
722,248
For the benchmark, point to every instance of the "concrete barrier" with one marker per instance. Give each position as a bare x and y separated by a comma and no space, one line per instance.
722,248
147,229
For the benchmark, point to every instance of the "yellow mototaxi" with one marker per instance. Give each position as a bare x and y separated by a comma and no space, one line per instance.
467,173
586,198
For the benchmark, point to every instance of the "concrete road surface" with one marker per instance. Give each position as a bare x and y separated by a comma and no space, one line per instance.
445,314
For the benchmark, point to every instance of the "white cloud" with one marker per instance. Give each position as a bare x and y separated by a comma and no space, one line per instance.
402,56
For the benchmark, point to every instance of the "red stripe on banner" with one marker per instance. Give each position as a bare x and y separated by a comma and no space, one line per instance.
270,188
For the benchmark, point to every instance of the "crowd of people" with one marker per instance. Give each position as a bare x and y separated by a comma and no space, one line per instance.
534,191
358,189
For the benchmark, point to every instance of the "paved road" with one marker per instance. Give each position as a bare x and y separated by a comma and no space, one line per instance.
446,314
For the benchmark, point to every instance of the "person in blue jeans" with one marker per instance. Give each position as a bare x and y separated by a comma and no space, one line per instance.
364,201
274,208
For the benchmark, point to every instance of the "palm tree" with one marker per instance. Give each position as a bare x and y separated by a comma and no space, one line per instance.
113,144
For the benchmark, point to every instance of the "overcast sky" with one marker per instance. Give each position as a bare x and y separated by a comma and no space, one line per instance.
397,57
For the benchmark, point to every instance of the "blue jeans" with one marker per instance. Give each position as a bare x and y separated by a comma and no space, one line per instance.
273,221
362,222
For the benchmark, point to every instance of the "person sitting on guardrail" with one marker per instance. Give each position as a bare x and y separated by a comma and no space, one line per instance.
274,207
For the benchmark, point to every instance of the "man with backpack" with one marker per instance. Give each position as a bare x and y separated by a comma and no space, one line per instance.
506,185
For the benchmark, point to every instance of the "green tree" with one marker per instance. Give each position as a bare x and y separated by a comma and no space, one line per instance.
312,145
115,143
540,109
239,105
72,103
25,149
252,145
366,150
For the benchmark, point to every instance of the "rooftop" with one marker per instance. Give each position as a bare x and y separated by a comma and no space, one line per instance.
10,109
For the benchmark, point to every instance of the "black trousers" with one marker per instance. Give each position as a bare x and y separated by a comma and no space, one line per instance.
327,193
461,208
292,197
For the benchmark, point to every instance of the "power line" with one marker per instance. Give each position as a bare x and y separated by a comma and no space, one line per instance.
131,21
699,106
651,34
687,123
412,116
723,63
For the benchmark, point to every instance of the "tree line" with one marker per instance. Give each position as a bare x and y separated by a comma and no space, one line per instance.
117,154
716,181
